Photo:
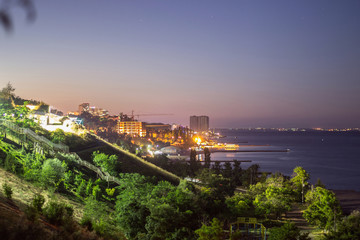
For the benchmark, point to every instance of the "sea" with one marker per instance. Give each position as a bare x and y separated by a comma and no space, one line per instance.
332,157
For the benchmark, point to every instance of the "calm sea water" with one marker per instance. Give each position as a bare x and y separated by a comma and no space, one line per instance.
334,158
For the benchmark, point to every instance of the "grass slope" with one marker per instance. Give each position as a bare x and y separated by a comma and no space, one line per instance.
24,192
130,163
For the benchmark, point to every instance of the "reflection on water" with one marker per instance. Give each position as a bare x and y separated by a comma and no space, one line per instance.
230,155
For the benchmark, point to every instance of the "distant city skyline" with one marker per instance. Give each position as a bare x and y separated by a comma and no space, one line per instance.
243,63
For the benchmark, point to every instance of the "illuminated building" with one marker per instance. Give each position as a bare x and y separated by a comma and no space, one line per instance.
199,123
132,128
95,111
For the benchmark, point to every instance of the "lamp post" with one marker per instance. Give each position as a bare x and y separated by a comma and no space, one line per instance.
302,191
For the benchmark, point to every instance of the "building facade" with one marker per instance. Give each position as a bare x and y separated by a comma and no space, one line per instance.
199,123
132,127
95,111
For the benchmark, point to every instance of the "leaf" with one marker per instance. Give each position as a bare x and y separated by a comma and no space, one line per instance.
30,9
6,21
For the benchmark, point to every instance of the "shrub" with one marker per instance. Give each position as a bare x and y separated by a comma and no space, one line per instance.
213,232
52,172
87,222
7,190
81,190
58,213
96,192
347,229
38,202
287,232
31,213
96,217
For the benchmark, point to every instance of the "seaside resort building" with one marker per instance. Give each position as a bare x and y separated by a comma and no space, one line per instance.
133,128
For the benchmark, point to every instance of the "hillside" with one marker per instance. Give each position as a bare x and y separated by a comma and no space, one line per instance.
14,223
84,147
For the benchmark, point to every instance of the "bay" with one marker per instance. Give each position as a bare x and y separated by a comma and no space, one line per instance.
334,158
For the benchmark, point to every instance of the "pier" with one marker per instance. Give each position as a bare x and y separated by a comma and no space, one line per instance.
224,150
222,161
237,150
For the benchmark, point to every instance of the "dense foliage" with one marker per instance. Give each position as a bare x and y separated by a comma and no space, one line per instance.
347,229
288,231
323,209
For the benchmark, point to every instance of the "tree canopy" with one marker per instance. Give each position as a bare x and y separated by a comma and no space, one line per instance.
324,209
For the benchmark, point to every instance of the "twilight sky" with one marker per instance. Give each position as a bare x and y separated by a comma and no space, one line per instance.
243,63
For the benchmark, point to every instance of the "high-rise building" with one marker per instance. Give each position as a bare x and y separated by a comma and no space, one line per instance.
199,123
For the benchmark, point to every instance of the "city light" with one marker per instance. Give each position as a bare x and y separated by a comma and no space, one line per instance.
197,140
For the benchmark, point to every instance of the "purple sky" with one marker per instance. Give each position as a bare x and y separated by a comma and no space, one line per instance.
242,63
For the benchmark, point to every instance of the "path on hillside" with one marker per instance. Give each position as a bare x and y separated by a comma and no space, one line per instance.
295,216
141,162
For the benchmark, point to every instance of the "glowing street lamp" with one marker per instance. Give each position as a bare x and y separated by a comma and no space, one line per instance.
197,140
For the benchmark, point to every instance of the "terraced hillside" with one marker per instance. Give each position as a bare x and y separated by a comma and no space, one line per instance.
130,163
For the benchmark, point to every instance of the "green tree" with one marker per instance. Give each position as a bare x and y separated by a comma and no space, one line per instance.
7,190
106,162
161,211
130,209
211,198
97,216
227,171
58,136
81,189
212,232
35,208
217,167
32,164
58,213
96,192
239,205
172,213
319,183
89,186
324,209
299,179
251,175
12,162
38,202
237,172
207,156
194,165
274,201
220,185
273,197
52,172
347,229
7,93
